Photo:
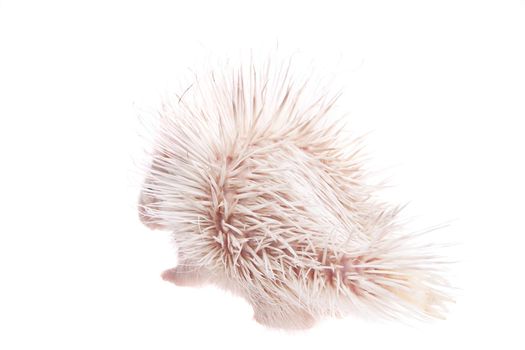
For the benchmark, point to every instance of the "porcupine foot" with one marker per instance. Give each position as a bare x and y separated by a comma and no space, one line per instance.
276,316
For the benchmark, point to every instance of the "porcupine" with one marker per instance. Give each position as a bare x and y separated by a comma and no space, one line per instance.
266,196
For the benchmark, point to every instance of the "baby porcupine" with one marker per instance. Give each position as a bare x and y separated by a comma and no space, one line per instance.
266,196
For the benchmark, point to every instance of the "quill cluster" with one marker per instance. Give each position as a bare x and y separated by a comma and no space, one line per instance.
266,195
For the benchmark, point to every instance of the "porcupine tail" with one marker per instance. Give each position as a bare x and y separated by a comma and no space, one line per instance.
395,276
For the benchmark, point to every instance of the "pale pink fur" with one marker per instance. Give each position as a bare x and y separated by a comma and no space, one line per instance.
266,196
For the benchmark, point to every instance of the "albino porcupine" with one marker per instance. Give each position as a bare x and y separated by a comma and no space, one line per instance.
266,197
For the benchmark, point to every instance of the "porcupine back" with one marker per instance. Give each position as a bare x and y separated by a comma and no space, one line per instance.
266,190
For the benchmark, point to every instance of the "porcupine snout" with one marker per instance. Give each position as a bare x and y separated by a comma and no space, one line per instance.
147,207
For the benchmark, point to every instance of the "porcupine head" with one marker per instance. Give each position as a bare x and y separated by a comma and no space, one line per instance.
265,195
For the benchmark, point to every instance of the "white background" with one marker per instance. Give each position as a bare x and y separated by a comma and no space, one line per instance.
440,83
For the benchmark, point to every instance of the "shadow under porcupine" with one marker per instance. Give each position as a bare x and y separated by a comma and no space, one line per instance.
266,197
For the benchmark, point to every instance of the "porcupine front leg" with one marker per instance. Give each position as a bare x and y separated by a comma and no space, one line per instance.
186,275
